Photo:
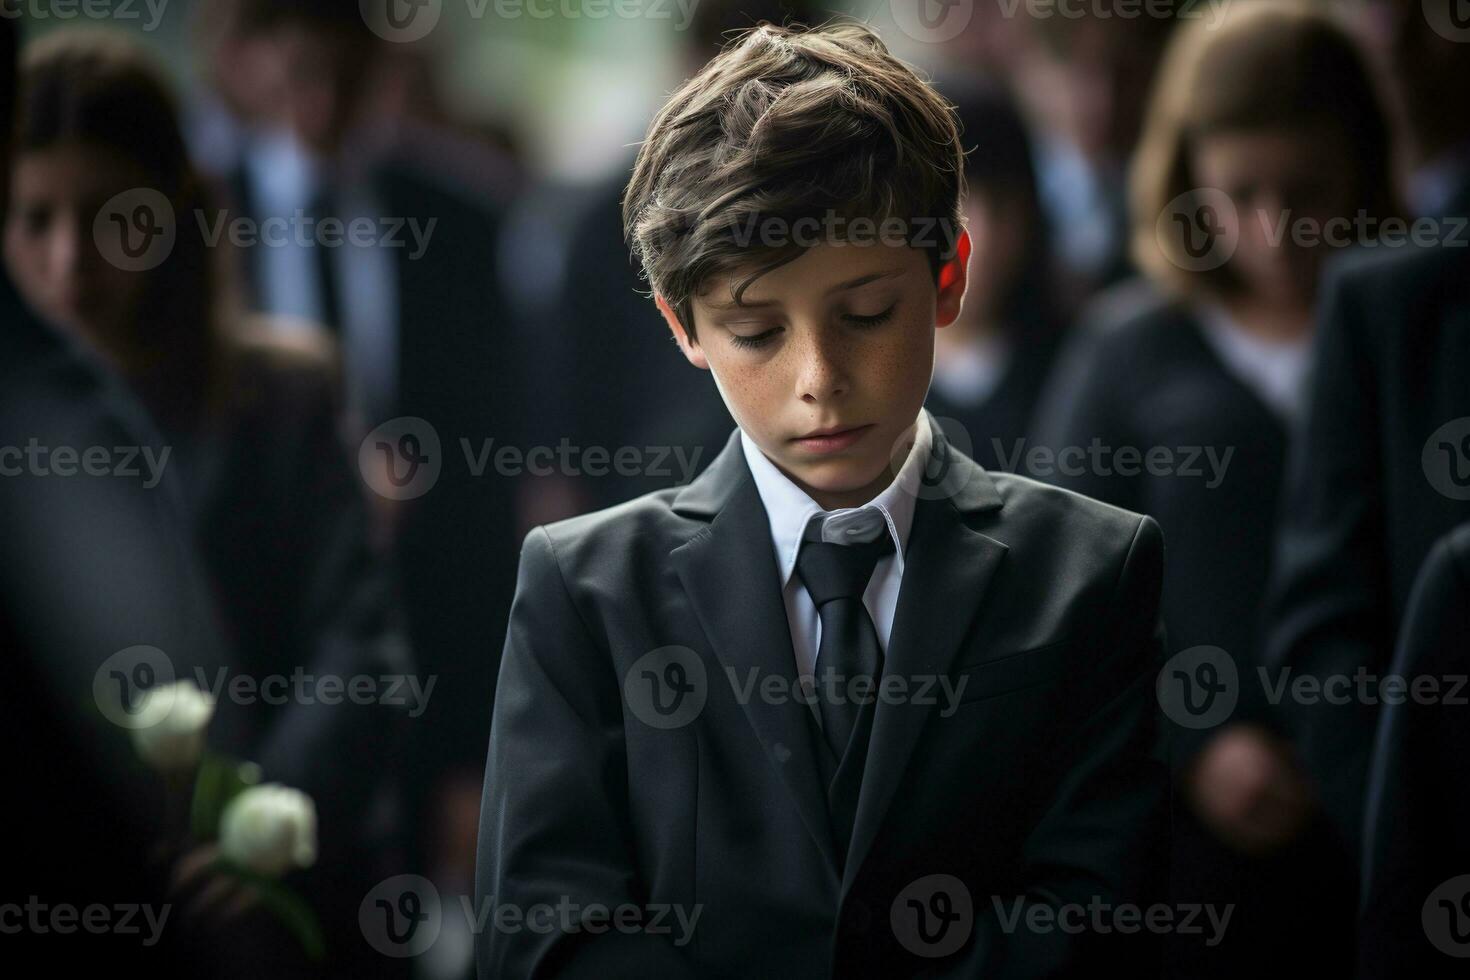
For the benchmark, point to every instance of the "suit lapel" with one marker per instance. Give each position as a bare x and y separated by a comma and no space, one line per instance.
947,569
731,577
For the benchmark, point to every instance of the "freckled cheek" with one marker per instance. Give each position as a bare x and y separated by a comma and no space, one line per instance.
901,359
748,385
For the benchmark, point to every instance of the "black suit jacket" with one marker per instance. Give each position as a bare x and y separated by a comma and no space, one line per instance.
1391,368
89,565
1044,782
1417,831
461,369
1154,380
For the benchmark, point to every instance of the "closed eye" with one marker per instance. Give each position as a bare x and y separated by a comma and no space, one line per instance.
871,321
754,340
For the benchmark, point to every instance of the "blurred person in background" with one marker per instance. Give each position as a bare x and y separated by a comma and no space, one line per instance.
1084,78
1272,117
91,563
239,89
1378,473
341,143
273,505
992,362
427,343
1418,818
1424,46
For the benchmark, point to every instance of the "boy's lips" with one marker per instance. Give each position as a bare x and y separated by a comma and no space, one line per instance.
832,439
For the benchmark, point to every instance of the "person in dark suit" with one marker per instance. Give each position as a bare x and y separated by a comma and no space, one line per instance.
990,366
694,768
91,563
1415,832
1377,469
1372,485
1212,366
424,334
275,509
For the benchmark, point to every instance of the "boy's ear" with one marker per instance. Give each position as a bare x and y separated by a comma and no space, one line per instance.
691,349
952,278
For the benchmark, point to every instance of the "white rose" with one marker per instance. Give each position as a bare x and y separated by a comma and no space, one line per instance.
176,740
269,829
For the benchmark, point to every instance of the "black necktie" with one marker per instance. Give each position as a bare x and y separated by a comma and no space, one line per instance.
836,576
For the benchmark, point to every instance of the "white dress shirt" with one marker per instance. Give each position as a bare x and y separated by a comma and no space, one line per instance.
1276,370
789,510
286,180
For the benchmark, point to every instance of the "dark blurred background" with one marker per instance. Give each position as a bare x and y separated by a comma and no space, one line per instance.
353,276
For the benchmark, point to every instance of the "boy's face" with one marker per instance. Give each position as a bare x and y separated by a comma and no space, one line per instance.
838,342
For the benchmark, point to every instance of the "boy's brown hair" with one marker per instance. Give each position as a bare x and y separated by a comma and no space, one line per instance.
791,124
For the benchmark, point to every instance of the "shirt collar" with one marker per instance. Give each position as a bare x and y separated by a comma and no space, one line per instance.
789,508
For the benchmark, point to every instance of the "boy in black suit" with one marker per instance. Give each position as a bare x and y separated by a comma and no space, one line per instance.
847,704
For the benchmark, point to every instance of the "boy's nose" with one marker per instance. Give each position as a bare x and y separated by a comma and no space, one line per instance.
822,376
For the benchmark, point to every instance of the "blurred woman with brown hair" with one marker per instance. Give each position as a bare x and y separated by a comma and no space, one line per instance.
1264,146
108,237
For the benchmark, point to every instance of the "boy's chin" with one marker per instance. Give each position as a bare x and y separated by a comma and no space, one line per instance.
845,475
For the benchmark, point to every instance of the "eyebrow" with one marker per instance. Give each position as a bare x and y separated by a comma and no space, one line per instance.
850,284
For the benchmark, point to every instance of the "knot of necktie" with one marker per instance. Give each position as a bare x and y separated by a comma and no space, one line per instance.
835,571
